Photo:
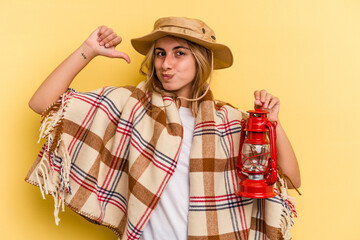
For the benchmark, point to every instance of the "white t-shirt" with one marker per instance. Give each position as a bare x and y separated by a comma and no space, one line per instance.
170,217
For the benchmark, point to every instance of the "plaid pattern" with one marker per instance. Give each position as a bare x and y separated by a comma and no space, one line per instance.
123,150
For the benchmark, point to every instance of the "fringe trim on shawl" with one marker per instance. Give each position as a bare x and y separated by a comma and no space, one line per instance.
288,204
51,128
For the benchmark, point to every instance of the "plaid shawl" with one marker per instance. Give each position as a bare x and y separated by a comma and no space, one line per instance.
110,153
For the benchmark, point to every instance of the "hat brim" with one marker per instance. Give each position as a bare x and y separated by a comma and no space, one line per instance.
223,57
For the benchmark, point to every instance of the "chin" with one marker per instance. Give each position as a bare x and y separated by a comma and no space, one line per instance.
169,87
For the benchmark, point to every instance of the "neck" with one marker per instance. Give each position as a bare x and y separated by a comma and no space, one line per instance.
184,103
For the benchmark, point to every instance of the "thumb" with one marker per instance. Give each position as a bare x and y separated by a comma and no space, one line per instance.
118,54
257,102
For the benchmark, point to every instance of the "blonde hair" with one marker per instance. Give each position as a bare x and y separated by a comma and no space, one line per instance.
203,58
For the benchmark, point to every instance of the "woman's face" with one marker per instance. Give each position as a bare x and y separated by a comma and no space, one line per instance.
175,65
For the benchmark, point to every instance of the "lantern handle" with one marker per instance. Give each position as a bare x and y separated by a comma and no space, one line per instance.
272,177
239,165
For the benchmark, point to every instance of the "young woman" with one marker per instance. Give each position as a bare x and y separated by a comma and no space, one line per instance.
156,161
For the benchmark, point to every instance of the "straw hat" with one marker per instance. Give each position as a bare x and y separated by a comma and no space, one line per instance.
193,30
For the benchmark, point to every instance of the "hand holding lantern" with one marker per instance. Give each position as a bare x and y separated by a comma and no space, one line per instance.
257,162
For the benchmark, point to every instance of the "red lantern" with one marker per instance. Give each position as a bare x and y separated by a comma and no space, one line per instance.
257,162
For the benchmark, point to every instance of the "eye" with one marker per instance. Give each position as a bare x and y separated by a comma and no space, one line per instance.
160,53
180,53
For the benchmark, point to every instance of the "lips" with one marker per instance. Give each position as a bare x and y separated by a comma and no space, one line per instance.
167,76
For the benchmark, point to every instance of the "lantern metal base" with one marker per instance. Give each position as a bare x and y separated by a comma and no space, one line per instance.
255,189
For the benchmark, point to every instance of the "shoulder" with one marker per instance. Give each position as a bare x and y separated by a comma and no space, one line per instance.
108,98
112,93
230,110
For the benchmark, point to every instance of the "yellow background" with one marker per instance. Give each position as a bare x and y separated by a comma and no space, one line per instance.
305,52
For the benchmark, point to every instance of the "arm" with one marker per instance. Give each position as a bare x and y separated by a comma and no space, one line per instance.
101,42
286,155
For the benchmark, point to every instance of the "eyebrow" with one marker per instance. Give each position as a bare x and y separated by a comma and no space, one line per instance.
175,48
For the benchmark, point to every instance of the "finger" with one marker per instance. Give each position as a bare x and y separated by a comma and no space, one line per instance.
112,40
263,94
257,95
267,100
107,32
274,101
109,37
101,30
257,98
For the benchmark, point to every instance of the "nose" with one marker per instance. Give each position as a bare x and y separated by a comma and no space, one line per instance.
168,62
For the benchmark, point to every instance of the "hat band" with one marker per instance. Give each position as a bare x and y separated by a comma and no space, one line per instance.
185,32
